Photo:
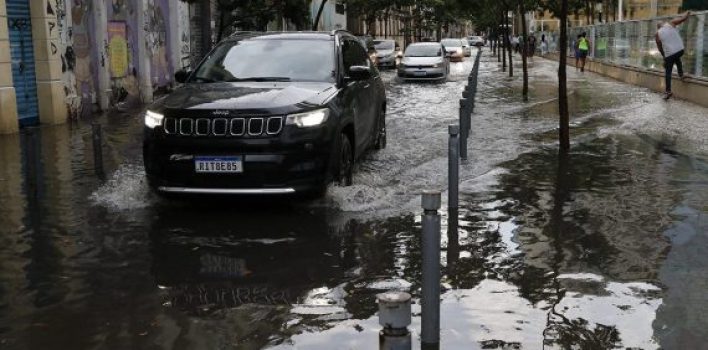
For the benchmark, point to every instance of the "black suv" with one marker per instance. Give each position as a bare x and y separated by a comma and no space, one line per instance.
267,113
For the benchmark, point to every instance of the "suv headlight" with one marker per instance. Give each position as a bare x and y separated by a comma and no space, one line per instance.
308,119
153,119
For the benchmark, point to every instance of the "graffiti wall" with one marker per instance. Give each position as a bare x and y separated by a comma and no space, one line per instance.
122,43
121,26
158,44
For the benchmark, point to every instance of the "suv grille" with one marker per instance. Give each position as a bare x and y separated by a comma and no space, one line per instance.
224,127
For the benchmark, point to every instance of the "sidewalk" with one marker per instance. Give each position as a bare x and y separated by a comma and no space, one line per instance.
635,109
693,89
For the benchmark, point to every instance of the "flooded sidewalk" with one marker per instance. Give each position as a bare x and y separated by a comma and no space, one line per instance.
606,248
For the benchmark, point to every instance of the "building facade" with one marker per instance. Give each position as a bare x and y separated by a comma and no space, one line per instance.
64,58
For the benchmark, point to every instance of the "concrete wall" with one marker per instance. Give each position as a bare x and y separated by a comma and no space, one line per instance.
694,90
45,39
8,101
330,19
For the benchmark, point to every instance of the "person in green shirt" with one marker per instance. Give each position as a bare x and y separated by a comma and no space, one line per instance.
583,48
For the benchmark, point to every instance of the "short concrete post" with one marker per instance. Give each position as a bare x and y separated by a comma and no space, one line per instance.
97,137
394,317
463,129
430,298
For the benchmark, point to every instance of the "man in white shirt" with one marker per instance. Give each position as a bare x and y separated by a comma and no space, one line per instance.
668,40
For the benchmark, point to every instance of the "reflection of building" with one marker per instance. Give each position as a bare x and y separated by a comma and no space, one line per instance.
544,21
644,9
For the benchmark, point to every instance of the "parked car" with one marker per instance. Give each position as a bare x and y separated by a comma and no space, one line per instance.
386,52
454,48
476,41
267,113
466,47
368,42
424,61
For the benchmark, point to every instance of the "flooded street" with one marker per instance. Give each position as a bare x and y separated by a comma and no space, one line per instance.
607,248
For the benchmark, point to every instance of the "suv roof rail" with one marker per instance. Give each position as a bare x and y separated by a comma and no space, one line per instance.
244,33
335,31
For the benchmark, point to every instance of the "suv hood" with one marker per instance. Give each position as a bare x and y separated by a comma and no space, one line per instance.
267,97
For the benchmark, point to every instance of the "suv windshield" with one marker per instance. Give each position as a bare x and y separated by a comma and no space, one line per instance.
269,60
451,42
423,51
384,45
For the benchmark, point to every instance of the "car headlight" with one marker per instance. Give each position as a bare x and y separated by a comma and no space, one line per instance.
308,119
437,65
153,119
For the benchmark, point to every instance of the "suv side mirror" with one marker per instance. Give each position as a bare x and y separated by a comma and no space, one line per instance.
359,73
181,76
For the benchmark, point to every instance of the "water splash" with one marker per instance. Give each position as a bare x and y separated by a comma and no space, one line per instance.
127,189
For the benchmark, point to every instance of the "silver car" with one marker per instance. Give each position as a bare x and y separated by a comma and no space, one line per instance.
424,61
386,52
456,49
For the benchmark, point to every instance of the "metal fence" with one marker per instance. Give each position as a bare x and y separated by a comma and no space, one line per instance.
631,43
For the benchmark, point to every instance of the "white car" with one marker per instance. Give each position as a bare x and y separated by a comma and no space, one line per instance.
424,61
455,48
476,41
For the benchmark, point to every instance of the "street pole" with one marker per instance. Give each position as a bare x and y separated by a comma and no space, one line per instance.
97,138
430,298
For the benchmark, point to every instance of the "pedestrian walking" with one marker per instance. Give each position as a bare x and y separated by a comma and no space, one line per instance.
544,45
532,45
576,53
670,44
583,48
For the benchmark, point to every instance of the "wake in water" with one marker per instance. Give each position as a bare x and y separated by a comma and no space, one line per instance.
127,189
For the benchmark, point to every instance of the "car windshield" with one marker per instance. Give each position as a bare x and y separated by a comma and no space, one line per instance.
423,51
269,60
384,45
478,38
451,42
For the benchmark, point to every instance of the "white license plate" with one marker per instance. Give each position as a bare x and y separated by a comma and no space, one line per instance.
420,74
218,165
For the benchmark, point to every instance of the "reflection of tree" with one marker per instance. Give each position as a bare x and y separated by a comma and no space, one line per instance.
570,334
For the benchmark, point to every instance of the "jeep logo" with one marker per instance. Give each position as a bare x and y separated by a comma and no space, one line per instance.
221,113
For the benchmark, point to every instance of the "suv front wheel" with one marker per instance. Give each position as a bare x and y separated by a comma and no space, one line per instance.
345,167
381,130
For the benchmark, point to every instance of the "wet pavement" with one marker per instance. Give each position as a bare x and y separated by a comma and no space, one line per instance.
606,248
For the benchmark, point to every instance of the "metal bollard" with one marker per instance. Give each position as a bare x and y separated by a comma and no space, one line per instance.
463,129
430,298
395,317
453,169
97,149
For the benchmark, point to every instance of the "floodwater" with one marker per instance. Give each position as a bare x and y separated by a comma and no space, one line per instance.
605,248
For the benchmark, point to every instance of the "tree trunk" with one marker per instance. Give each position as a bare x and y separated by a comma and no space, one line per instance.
316,24
511,61
564,126
524,53
505,42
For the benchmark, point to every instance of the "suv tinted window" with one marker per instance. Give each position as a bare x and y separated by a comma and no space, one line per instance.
353,54
287,60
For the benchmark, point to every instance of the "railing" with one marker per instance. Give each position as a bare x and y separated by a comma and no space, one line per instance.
631,43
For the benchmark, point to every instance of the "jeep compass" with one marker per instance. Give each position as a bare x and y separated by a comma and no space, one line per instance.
267,113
